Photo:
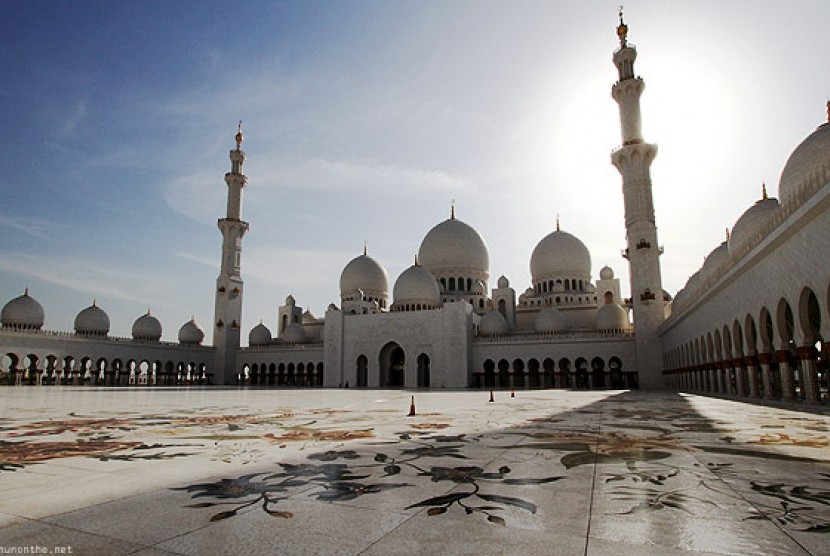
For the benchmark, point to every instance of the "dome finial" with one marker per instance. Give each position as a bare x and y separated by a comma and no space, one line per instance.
828,111
452,210
239,136
622,30
764,191
416,260
727,235
557,221
365,247
26,292
94,302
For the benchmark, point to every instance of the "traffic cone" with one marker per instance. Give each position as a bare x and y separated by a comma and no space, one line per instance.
491,396
412,407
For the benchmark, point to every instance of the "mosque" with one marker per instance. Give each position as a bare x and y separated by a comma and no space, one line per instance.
753,322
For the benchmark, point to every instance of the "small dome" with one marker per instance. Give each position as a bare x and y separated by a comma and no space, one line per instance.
679,299
714,259
417,285
293,333
456,246
364,273
550,320
23,312
492,324
751,221
810,159
611,317
503,282
607,273
559,253
308,317
332,307
290,300
147,327
191,333
92,321
259,335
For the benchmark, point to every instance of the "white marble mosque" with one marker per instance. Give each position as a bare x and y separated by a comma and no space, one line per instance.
752,322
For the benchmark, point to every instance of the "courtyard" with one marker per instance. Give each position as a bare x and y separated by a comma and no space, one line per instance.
159,471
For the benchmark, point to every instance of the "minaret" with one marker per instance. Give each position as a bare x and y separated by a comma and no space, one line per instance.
633,160
228,318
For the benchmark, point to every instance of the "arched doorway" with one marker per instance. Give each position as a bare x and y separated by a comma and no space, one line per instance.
392,361
423,371
489,373
362,371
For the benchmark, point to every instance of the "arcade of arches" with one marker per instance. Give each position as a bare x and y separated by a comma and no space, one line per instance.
52,370
552,373
777,354
282,374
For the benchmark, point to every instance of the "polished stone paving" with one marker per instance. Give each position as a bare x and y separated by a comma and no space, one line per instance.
223,471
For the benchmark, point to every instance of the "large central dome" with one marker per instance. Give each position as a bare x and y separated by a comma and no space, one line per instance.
559,254
454,246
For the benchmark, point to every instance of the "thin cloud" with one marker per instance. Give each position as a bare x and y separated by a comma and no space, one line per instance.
85,276
30,226
75,116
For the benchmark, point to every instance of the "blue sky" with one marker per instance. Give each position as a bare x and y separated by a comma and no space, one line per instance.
363,121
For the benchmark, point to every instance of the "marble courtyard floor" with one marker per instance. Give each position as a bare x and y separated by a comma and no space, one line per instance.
213,471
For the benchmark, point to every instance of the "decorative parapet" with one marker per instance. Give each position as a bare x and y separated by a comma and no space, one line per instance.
556,336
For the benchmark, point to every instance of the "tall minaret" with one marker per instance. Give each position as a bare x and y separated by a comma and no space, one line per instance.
228,319
633,160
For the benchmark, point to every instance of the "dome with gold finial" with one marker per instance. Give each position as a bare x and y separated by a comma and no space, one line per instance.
751,221
191,333
808,164
147,328
23,312
92,321
453,247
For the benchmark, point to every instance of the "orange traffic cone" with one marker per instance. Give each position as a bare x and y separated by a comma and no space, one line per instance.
412,407
491,396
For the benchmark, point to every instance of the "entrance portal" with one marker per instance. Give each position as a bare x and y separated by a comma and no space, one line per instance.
392,363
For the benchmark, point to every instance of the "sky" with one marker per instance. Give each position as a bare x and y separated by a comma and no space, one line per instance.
363,122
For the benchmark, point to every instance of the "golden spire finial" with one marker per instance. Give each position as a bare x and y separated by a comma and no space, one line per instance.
763,191
239,136
452,210
622,30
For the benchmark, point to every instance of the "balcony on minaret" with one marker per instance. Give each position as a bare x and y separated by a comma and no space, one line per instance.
647,296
